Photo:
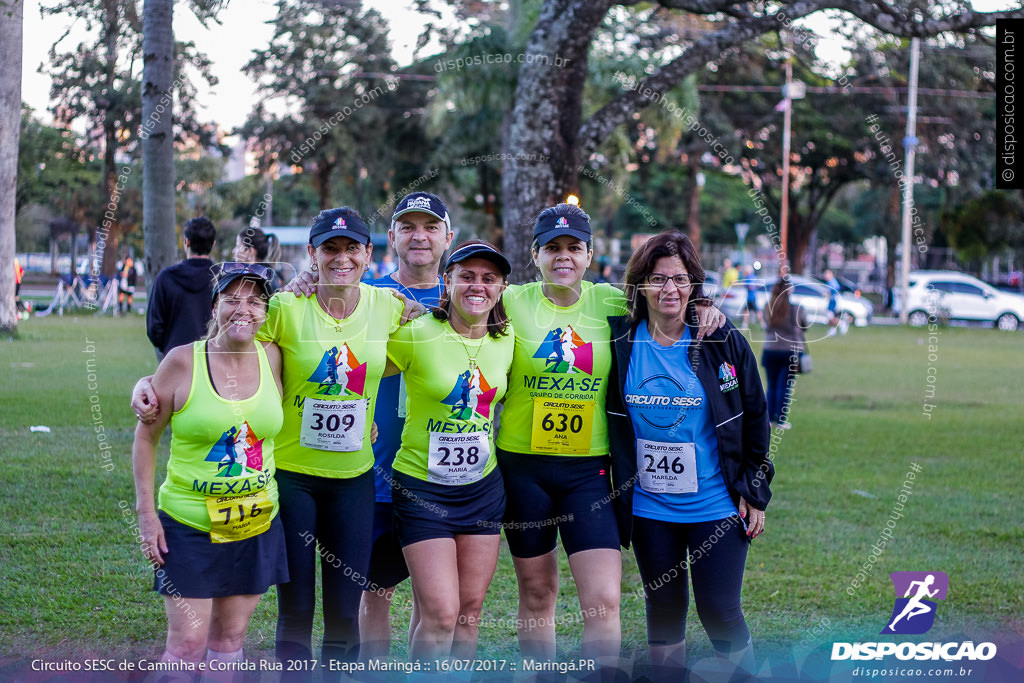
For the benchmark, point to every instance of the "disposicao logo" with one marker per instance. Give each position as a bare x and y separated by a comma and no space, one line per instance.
916,592
913,614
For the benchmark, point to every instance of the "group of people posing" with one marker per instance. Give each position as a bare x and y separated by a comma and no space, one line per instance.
318,424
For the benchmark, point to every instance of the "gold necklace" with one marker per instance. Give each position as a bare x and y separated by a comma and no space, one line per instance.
471,357
337,322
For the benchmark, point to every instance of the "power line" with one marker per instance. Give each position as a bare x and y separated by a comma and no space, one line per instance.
833,90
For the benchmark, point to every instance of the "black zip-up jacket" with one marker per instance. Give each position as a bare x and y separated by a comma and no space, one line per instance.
180,304
740,416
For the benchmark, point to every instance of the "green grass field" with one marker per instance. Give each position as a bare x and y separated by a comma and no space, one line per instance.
75,584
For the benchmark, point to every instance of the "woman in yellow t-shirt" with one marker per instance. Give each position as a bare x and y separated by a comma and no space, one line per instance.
218,506
447,489
333,349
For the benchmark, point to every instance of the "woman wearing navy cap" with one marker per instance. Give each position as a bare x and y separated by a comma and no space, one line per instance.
553,441
447,489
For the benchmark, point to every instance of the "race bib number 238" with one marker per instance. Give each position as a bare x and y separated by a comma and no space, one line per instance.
455,459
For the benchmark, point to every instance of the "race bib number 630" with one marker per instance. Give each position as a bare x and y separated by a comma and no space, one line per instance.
561,426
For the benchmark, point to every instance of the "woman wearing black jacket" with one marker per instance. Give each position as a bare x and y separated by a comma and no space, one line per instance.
689,438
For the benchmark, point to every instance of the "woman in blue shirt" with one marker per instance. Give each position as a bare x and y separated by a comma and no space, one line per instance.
689,430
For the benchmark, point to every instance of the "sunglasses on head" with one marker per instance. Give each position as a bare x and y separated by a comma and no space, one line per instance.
238,268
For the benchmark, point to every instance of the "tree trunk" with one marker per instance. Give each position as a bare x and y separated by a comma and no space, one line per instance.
10,130
693,213
158,138
322,182
797,240
541,146
110,224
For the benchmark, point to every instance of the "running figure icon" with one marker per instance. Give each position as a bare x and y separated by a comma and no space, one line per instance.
917,594
915,606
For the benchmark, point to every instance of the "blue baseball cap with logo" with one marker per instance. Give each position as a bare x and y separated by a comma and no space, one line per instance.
425,202
550,227
341,222
479,250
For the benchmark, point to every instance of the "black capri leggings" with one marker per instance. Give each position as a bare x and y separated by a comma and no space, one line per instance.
332,519
717,552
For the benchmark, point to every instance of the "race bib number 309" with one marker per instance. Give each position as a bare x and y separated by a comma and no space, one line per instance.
334,425
666,467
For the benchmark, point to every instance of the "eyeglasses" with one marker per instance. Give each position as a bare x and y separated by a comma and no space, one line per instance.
238,268
658,280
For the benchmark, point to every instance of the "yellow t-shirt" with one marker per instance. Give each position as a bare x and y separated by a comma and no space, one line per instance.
331,373
450,400
559,377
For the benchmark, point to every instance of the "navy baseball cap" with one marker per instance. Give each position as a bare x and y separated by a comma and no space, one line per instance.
479,250
425,202
550,227
338,223
229,271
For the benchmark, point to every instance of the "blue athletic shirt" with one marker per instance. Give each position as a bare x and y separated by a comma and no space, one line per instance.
389,422
667,404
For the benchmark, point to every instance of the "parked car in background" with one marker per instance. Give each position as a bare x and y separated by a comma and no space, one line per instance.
809,294
712,284
963,296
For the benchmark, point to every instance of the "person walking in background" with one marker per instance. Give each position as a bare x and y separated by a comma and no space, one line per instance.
836,321
126,286
751,304
783,344
19,273
729,275
178,310
255,246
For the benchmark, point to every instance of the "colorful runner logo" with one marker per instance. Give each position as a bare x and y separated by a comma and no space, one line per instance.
727,377
238,450
339,372
564,351
914,612
471,394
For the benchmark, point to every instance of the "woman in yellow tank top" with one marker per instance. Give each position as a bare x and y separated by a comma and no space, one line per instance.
217,509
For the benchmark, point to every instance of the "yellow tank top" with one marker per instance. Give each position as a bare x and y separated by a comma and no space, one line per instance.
222,449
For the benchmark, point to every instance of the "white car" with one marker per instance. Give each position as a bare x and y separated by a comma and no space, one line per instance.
811,295
963,297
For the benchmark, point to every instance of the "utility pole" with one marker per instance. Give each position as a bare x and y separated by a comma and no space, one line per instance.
910,147
787,118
